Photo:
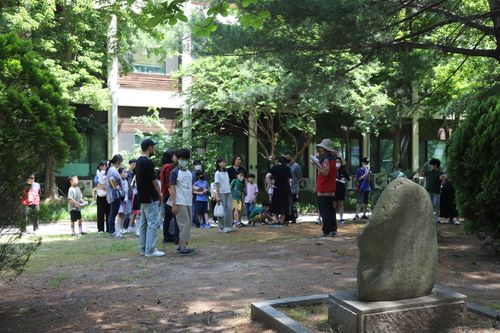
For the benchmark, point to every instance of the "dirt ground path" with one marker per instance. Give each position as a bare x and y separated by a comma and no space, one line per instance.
93,284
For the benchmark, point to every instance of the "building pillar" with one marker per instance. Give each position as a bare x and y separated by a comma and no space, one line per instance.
113,88
186,82
415,144
365,151
253,157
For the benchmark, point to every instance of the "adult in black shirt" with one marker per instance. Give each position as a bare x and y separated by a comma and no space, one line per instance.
148,190
340,191
281,203
233,171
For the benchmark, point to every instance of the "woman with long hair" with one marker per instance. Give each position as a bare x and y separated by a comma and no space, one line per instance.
114,192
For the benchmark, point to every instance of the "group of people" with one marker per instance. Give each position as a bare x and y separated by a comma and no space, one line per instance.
122,196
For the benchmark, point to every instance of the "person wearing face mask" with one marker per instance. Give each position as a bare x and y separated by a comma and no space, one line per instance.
363,176
232,171
197,167
340,191
237,188
150,198
326,187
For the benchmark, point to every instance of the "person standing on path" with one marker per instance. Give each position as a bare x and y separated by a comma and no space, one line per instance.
114,192
168,161
326,186
128,211
281,203
223,195
75,203
363,177
31,200
102,203
433,185
233,171
197,167
448,207
150,198
296,176
340,190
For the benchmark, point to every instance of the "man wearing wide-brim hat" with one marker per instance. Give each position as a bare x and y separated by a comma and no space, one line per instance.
325,186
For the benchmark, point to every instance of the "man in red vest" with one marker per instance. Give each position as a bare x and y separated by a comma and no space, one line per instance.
325,186
31,199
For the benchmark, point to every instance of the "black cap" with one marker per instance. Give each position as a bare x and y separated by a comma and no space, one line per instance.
146,143
365,160
132,161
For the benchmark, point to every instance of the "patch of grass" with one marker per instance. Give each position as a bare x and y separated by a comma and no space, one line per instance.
54,281
128,278
493,306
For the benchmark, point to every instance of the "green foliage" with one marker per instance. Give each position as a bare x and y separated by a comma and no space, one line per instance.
57,210
473,166
36,122
175,140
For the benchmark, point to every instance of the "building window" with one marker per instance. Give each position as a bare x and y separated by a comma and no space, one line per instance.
144,63
355,156
430,149
94,151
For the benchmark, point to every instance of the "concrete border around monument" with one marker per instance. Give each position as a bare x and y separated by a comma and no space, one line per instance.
266,313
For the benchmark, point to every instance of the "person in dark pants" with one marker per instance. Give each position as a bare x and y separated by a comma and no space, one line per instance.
102,203
128,212
31,199
281,203
448,207
114,183
197,167
340,188
168,160
325,186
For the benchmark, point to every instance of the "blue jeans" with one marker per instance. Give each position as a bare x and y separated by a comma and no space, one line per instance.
114,207
249,207
149,227
328,214
128,214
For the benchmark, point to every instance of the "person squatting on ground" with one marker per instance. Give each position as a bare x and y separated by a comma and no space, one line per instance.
181,192
223,195
363,177
237,189
252,192
340,190
31,200
75,203
102,203
433,185
259,215
150,198
201,190
296,176
124,201
326,186
168,161
281,203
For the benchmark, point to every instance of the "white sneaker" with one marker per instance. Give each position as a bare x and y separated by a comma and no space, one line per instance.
118,235
155,254
457,222
123,231
227,229
223,230
446,222
93,202
137,233
318,221
100,232
130,229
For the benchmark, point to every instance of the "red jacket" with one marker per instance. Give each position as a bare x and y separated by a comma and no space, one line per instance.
31,195
165,180
326,185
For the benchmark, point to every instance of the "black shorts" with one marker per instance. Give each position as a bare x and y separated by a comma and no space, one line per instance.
201,207
339,196
136,205
75,215
295,197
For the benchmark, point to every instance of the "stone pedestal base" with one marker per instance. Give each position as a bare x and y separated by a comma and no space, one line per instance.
442,309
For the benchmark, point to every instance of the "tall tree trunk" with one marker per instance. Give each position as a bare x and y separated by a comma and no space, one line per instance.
50,179
396,138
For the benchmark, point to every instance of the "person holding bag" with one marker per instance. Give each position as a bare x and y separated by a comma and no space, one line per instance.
223,196
102,203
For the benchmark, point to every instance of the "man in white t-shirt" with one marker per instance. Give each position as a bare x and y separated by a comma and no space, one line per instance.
181,192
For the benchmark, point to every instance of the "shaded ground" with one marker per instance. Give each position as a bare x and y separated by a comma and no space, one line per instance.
94,284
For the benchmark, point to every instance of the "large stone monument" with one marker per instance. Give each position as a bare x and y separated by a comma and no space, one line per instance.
397,270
